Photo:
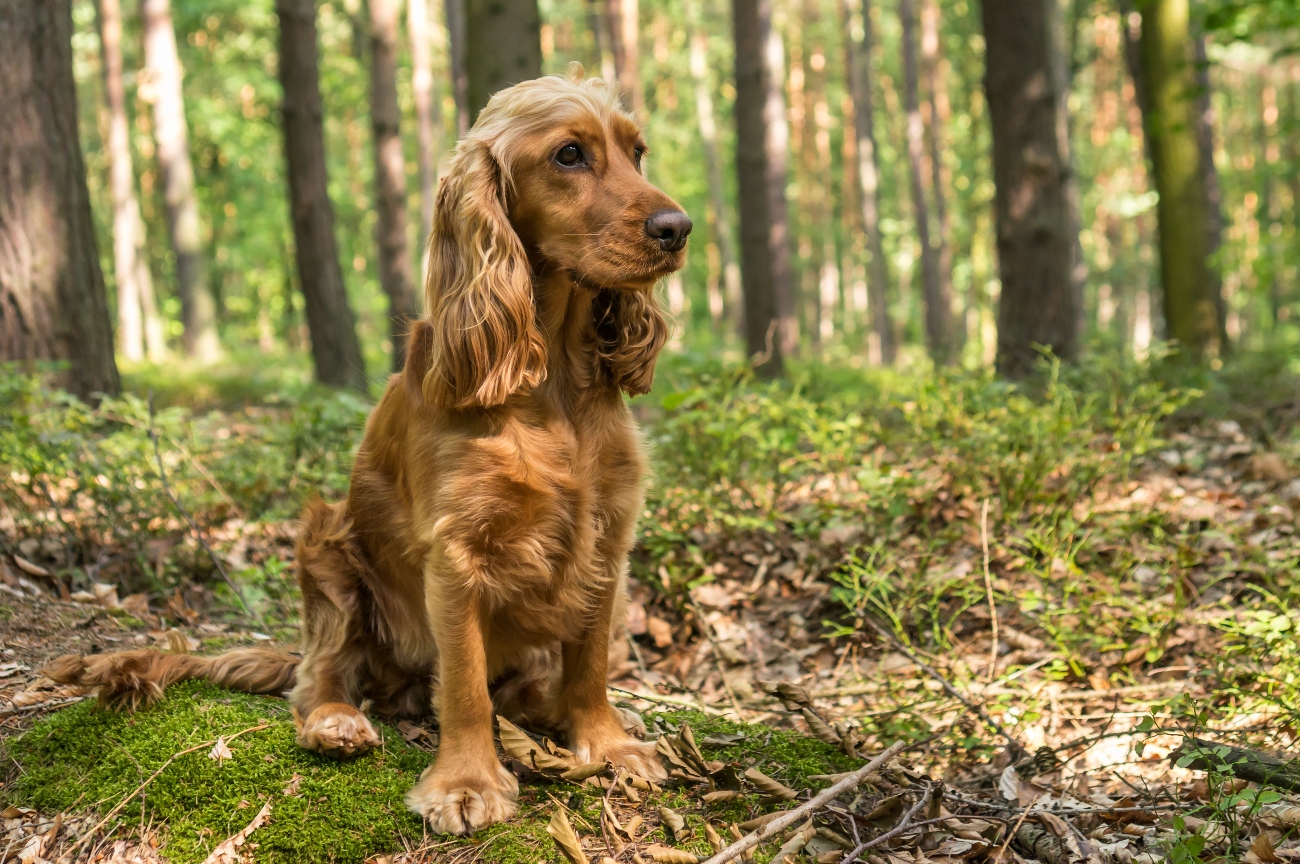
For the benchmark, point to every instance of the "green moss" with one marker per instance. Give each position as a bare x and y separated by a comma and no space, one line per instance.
85,759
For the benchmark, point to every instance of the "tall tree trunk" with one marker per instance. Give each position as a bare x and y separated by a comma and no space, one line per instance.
163,64
862,89
455,13
390,177
762,139
938,307
335,349
936,86
503,46
428,115
1065,50
622,17
1030,174
600,37
139,327
53,304
713,174
1191,313
1213,190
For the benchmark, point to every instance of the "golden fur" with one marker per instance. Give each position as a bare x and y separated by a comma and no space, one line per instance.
479,560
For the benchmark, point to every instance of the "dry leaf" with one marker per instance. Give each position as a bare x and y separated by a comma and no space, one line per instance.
562,832
228,851
633,826
517,743
410,731
792,846
721,795
582,772
819,728
773,789
759,821
673,823
722,739
661,854
1262,849
736,834
220,751
714,838
660,631
291,789
30,568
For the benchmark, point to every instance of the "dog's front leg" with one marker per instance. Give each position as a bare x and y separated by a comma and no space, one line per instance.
466,788
595,727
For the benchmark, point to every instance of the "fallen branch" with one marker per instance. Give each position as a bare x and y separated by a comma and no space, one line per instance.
1239,762
789,817
679,701
903,825
120,804
40,706
1017,752
1038,842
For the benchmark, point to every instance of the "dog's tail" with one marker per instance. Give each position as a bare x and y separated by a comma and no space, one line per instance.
134,678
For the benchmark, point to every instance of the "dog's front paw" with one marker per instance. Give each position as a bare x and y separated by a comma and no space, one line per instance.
338,730
622,751
461,801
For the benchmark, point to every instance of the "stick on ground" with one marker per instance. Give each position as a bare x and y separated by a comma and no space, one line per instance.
821,799
903,825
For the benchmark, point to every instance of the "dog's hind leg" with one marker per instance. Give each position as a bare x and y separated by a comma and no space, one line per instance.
328,696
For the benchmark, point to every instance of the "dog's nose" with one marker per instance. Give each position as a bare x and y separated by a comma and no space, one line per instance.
670,228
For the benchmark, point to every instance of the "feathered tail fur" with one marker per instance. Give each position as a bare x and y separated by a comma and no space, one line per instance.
134,678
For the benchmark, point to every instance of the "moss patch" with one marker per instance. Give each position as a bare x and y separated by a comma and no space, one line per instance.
84,759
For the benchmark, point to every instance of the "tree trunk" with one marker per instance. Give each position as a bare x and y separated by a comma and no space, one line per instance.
503,46
334,346
53,304
1030,174
1191,313
936,86
390,177
713,174
1213,190
761,142
139,328
1065,50
862,90
600,38
163,65
456,14
938,308
428,115
622,17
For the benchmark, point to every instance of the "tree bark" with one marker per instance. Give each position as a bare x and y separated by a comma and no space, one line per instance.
428,116
1191,313
455,13
762,139
139,327
1030,174
391,242
936,87
335,349
623,17
163,65
1213,190
713,173
938,307
862,91
53,304
503,46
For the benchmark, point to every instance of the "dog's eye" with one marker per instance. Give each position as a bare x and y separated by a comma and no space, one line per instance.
638,153
569,155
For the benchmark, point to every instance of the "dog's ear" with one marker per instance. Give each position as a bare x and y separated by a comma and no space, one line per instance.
630,330
485,341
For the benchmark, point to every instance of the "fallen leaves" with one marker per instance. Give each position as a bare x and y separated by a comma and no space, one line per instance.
227,852
561,831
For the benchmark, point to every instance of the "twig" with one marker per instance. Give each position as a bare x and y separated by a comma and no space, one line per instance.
39,706
678,701
789,817
988,589
606,806
162,475
717,659
1006,841
120,804
1017,752
903,825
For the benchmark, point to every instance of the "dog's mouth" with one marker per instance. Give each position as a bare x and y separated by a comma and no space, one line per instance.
638,275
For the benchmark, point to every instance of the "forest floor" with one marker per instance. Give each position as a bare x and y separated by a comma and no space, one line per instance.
1042,594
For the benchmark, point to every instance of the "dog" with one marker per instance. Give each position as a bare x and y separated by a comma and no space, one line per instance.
479,563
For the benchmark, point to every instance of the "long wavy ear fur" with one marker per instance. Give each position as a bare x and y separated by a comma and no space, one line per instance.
630,330
485,343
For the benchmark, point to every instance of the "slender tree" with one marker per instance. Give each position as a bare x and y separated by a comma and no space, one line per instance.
1167,51
862,90
163,65
938,306
722,227
390,177
1213,189
762,139
623,18
503,46
940,114
1030,173
335,349
139,326
428,116
456,15
53,304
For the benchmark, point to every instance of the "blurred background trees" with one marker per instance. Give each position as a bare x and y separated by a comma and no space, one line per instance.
875,181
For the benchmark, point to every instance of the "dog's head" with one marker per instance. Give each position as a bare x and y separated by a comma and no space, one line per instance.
550,177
